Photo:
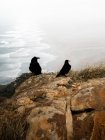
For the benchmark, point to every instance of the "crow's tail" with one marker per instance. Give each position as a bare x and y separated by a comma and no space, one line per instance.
58,75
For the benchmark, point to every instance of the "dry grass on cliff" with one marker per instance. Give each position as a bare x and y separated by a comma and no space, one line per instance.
88,73
12,126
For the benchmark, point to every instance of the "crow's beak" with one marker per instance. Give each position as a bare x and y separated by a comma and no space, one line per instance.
38,57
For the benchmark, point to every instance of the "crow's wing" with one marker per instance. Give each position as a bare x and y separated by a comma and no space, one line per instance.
62,71
65,69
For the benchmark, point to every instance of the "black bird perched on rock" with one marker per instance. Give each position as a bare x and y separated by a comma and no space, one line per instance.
34,66
65,69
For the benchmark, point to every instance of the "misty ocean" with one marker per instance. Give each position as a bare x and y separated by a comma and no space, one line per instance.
17,47
22,42
52,30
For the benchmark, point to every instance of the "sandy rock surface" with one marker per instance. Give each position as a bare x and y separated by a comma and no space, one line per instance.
61,110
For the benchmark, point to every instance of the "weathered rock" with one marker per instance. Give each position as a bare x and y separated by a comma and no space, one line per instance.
83,100
99,126
83,126
57,109
24,101
47,123
69,120
89,98
21,110
52,119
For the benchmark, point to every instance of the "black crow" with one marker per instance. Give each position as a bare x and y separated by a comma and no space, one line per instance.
34,67
65,69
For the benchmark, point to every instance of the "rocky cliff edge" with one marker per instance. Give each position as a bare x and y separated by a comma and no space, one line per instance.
48,108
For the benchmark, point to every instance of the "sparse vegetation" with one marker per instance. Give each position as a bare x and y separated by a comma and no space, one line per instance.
12,126
88,73
9,89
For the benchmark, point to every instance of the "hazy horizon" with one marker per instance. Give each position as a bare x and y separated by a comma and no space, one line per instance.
54,30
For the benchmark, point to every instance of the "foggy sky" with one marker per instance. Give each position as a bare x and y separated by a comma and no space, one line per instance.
55,30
